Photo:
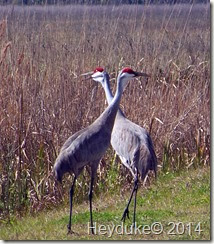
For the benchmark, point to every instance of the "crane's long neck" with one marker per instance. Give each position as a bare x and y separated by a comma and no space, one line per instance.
107,89
111,111
108,92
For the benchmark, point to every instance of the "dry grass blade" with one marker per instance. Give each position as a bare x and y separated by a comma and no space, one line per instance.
43,99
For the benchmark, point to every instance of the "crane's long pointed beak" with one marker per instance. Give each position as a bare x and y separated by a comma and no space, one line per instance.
142,74
88,73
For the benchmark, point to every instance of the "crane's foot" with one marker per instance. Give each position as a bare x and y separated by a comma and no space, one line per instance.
70,232
92,232
125,215
133,225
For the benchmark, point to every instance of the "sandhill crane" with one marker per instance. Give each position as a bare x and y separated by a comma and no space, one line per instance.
131,142
87,146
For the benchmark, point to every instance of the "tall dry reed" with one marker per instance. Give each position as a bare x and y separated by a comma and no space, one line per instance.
43,101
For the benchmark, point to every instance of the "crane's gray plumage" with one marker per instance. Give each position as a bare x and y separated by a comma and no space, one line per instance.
134,146
131,142
87,146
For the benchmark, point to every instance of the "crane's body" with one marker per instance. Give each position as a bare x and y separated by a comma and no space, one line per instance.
87,146
132,144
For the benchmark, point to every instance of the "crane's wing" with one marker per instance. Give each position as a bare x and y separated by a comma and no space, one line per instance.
134,145
69,141
89,145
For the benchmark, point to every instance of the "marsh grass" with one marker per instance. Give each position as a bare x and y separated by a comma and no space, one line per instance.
176,197
43,101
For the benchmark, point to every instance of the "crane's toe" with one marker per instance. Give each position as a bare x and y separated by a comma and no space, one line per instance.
71,232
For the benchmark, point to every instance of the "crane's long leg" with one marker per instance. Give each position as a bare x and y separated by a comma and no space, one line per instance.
126,211
71,203
90,195
94,166
135,200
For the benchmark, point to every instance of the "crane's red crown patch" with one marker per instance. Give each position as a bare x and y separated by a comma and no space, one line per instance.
100,69
128,70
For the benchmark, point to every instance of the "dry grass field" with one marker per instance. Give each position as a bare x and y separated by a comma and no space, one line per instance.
43,100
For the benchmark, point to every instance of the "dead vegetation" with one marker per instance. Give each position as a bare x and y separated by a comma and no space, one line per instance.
43,101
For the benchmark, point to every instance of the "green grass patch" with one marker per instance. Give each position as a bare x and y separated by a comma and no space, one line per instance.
178,202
